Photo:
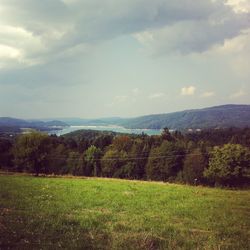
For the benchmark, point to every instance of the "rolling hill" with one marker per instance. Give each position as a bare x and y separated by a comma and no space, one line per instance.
215,117
20,123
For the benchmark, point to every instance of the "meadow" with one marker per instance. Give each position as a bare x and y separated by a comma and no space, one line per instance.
100,213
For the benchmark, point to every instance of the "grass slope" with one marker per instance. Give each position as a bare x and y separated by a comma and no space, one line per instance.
95,213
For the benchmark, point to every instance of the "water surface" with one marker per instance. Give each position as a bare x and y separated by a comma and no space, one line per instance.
107,128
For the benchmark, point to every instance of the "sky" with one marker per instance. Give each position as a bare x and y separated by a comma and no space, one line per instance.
126,58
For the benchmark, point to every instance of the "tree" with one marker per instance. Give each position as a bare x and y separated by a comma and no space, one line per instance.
71,143
83,145
92,157
193,167
6,156
229,165
112,162
126,171
74,163
57,159
30,152
122,143
103,141
166,135
138,153
165,162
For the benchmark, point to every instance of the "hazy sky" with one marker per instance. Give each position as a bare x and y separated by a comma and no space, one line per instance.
103,58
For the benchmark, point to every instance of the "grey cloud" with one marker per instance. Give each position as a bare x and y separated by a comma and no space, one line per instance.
32,13
58,73
60,25
196,36
108,19
52,37
188,37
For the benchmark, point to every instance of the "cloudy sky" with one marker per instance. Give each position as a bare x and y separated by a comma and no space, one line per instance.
103,58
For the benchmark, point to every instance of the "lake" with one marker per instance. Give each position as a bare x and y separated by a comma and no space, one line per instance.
107,128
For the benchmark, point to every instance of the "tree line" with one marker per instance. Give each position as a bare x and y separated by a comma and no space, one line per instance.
210,157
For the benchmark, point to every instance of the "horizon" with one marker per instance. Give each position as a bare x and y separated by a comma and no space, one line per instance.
121,117
129,58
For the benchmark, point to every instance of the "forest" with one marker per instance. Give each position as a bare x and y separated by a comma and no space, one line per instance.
209,157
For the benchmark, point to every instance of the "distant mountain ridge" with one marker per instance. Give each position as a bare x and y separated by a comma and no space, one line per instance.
223,116
213,117
94,122
14,122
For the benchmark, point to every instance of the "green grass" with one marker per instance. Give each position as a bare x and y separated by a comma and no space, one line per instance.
92,213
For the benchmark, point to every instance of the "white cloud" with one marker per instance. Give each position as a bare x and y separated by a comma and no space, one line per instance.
238,94
156,95
239,5
69,2
145,37
135,91
208,94
190,90
119,99
239,51
9,52
235,52
19,45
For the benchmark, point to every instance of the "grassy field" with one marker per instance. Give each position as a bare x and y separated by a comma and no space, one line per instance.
74,213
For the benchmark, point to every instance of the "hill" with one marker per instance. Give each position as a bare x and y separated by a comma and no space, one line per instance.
224,116
96,213
93,122
215,117
20,123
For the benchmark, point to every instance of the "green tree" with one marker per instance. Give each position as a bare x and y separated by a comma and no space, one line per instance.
126,171
165,162
74,163
193,167
57,159
83,145
31,151
92,157
6,155
166,135
103,141
229,165
112,162
138,154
